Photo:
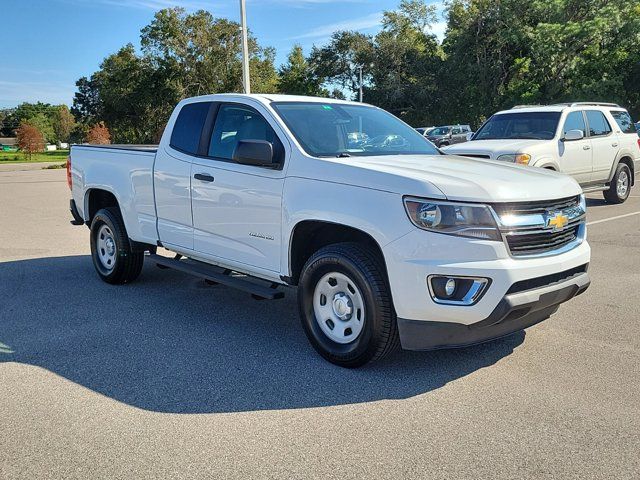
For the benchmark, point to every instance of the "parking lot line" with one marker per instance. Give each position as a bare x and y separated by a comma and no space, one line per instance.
613,218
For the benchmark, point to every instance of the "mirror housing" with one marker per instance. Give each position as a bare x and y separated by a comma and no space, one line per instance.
254,152
573,135
469,136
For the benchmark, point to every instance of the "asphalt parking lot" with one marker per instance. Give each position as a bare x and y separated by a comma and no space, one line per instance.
170,377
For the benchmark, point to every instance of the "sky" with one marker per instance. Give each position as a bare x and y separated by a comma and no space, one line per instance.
48,44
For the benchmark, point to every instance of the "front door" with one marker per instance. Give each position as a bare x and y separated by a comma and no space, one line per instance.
237,209
575,156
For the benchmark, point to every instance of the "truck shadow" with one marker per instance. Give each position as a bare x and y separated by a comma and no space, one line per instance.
170,343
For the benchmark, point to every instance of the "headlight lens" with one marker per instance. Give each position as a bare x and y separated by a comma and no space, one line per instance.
521,158
464,220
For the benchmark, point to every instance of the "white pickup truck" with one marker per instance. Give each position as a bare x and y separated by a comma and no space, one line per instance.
388,240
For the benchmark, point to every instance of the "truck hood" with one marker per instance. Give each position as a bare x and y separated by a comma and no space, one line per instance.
492,148
460,178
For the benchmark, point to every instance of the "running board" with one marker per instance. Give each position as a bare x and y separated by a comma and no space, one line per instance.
213,274
595,188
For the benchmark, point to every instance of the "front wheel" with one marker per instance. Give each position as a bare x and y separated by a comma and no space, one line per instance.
345,305
620,185
113,258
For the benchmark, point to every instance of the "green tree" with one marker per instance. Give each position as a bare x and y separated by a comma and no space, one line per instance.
182,55
296,77
63,123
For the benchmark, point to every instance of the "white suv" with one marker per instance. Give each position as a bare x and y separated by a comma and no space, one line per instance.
595,143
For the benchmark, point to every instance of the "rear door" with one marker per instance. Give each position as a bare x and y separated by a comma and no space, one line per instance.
172,176
604,144
575,156
237,209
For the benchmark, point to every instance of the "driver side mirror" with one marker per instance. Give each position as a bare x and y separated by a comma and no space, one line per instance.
572,135
254,152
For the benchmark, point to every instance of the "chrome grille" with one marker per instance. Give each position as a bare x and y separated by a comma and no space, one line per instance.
528,228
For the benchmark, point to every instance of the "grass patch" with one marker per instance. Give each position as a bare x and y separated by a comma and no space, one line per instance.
18,157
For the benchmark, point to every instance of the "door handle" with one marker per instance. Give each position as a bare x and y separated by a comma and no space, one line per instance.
586,147
614,144
203,177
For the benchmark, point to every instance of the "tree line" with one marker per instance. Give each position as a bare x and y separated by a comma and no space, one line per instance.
494,54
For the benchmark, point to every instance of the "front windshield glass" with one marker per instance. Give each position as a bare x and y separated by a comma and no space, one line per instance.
333,130
440,131
525,125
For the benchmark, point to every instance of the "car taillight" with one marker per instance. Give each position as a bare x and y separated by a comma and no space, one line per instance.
639,143
69,179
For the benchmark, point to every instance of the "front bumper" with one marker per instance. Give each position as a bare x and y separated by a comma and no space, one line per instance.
515,312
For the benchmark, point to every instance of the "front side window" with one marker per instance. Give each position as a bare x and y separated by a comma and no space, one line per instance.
598,125
334,130
236,122
188,127
574,121
623,119
522,125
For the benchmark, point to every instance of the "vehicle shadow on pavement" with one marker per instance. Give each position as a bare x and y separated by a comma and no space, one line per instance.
170,343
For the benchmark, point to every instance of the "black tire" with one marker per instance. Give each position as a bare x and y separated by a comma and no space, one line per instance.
127,263
379,334
613,195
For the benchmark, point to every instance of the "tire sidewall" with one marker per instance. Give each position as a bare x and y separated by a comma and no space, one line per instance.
622,168
104,218
364,346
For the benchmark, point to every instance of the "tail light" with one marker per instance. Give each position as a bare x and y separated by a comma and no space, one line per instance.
69,179
639,143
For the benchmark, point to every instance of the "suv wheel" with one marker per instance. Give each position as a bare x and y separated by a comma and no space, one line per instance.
620,185
345,305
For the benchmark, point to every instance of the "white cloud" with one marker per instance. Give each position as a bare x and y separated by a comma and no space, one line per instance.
362,23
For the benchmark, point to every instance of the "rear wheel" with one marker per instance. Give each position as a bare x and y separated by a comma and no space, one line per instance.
345,305
620,185
113,258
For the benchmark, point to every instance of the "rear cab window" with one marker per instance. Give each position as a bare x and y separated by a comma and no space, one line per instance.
187,129
623,119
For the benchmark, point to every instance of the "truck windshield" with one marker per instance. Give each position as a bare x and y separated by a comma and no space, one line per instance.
335,130
529,125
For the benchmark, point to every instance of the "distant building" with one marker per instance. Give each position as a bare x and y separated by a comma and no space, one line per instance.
8,143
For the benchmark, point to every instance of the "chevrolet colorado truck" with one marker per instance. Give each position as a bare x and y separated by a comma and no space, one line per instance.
595,143
388,243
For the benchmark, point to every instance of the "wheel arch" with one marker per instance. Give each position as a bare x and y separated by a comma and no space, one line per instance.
308,236
628,161
96,199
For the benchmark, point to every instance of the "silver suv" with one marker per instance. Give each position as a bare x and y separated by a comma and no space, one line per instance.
595,143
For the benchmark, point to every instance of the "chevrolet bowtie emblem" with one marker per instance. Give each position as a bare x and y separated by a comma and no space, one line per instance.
557,221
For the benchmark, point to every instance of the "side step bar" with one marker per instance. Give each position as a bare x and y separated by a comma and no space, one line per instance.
214,274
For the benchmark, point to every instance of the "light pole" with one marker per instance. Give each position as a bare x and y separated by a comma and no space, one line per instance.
360,71
245,48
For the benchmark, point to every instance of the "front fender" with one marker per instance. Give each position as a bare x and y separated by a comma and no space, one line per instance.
379,214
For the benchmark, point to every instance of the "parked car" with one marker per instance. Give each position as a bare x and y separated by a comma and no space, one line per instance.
385,245
449,135
424,131
595,143
638,127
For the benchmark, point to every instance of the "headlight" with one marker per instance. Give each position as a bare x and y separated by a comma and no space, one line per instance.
521,158
461,219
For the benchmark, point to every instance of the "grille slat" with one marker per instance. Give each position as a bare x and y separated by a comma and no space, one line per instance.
536,239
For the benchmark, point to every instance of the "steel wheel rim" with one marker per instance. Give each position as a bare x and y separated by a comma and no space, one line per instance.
623,184
106,247
338,306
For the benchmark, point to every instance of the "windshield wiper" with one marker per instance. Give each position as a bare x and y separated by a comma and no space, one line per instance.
343,155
